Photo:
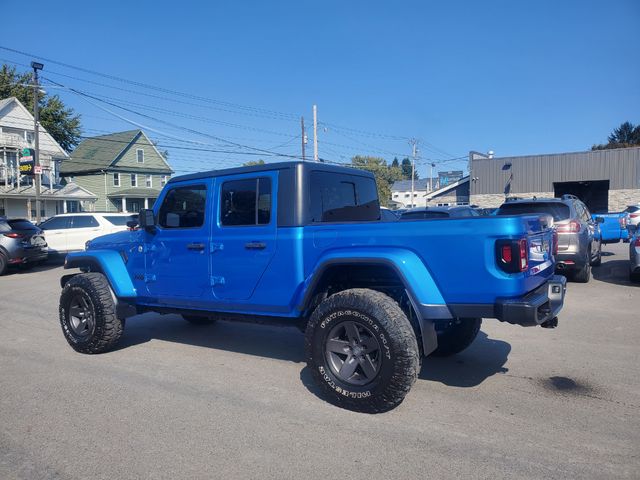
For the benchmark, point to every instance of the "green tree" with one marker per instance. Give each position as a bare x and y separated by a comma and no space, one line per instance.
251,163
406,169
385,174
62,123
626,135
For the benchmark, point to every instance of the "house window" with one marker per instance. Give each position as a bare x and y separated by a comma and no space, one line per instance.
134,179
28,136
163,180
149,181
116,179
406,195
140,155
2,210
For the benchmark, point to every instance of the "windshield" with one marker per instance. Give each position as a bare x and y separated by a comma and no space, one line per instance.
558,210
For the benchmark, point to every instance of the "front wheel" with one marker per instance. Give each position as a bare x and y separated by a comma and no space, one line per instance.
455,335
88,314
362,350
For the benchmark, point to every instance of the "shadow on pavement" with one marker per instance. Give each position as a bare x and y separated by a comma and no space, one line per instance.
613,271
484,358
281,343
34,268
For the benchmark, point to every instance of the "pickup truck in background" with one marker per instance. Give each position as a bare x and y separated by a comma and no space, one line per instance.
614,227
302,243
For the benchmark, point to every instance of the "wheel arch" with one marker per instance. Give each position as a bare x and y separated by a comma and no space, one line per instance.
383,270
107,262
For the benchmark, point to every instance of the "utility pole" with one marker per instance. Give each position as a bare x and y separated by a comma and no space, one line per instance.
315,133
414,151
431,177
38,178
304,138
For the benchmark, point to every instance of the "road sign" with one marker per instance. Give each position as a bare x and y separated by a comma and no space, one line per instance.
37,169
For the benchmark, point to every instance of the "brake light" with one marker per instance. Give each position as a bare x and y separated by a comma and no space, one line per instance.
513,255
13,235
623,222
524,254
634,215
636,243
572,227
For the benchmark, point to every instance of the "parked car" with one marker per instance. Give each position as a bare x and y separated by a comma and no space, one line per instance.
21,243
579,245
634,257
301,243
614,227
387,215
485,212
634,217
69,232
424,213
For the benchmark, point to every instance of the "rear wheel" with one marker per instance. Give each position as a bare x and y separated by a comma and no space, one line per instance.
362,350
598,260
455,335
584,274
199,319
4,264
88,314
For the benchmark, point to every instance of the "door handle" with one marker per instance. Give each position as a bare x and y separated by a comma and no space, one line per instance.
195,246
255,245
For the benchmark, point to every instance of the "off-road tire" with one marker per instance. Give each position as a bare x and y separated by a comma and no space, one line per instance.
103,329
4,264
381,322
584,274
455,335
199,320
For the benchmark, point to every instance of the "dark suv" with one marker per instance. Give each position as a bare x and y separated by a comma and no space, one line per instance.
21,243
579,245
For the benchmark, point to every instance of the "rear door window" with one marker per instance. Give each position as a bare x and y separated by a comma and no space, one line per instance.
84,221
558,210
245,202
343,198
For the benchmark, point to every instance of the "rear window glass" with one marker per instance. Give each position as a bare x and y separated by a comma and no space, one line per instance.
343,198
120,220
559,211
632,209
21,225
424,215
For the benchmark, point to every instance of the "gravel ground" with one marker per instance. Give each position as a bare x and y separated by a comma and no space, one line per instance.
236,400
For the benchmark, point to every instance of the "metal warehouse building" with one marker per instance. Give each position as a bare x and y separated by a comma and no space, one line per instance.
606,180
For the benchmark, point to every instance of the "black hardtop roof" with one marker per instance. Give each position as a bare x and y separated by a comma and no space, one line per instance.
267,167
436,208
515,201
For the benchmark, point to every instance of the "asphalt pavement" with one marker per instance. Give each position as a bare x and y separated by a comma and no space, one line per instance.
236,400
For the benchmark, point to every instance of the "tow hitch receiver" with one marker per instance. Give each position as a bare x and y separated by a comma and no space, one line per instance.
551,323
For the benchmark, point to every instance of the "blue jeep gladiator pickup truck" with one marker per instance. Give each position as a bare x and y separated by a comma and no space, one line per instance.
303,243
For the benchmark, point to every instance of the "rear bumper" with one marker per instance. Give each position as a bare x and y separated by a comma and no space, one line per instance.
536,307
28,255
569,261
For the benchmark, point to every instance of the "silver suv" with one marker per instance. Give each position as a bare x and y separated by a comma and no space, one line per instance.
21,244
579,245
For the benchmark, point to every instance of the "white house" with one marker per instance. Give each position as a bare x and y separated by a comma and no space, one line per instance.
17,192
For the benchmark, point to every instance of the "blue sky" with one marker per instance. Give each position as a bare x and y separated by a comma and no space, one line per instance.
513,77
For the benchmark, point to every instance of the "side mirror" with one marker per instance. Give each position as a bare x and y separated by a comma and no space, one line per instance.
146,220
132,224
599,220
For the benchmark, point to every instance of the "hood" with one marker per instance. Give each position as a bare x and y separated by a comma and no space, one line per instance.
113,240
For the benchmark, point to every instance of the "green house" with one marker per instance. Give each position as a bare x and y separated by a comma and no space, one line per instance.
124,170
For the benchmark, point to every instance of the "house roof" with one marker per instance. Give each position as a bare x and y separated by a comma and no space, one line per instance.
405,185
103,151
446,188
70,191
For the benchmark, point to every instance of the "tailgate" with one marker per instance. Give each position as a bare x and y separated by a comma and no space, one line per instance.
541,252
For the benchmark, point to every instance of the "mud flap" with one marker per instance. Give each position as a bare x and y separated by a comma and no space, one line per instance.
429,336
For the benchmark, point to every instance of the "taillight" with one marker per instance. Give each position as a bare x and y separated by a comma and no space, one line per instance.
623,222
554,247
13,235
571,227
636,243
634,215
512,256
